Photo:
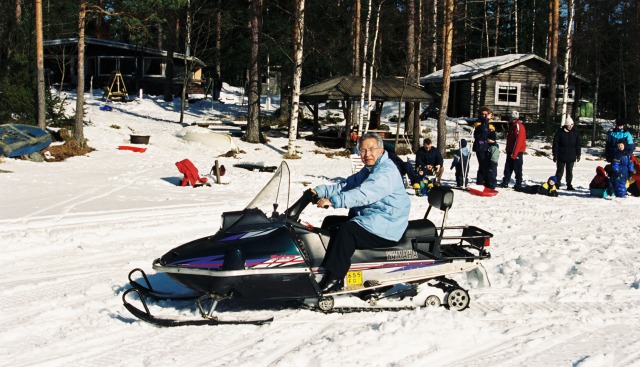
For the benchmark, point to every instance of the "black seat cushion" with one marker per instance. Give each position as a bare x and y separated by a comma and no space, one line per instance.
416,228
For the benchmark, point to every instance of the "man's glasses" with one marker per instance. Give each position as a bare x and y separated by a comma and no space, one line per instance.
365,151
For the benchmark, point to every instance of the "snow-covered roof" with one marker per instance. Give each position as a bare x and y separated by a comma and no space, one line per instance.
480,68
120,45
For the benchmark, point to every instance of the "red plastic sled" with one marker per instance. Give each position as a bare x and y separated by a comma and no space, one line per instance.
190,172
134,149
480,190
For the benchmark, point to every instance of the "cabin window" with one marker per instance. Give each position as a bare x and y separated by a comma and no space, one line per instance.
109,64
153,66
508,94
571,92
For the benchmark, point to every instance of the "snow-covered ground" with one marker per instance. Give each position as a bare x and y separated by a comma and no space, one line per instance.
564,271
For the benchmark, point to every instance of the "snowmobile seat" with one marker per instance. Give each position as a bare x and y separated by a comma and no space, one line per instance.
191,175
419,230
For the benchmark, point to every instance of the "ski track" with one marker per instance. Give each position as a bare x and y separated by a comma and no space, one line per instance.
531,328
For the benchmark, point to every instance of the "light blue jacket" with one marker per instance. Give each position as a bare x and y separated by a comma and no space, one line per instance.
376,195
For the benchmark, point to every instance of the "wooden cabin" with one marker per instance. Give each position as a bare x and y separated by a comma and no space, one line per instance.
504,83
140,67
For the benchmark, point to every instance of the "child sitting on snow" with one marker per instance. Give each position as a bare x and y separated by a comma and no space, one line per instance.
548,188
599,186
461,164
423,186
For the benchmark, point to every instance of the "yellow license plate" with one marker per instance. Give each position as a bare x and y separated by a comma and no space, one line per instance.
354,277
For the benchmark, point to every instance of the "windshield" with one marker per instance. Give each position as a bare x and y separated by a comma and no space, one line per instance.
274,196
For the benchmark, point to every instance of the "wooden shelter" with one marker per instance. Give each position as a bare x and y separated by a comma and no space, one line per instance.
504,83
348,89
139,66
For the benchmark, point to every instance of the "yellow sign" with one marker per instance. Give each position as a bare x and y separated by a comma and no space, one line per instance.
354,277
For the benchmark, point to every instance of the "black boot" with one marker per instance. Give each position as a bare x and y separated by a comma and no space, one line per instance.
330,283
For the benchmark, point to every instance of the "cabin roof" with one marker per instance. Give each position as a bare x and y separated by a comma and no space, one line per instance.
482,67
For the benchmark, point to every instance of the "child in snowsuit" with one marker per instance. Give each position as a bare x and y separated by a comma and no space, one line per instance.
461,164
634,182
491,162
599,186
423,186
548,188
622,168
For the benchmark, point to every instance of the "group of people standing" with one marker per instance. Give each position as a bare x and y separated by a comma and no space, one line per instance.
566,151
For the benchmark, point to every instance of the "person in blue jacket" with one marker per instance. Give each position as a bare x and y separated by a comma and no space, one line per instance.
613,137
379,210
461,164
622,168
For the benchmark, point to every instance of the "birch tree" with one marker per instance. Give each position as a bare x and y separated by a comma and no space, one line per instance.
364,71
187,63
567,58
298,38
373,58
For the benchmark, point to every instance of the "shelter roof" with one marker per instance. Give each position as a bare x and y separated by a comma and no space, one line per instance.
350,88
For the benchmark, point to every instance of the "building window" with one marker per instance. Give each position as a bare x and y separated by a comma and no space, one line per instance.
571,92
508,94
153,66
109,64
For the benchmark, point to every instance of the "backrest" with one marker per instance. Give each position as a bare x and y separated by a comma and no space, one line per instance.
441,197
187,168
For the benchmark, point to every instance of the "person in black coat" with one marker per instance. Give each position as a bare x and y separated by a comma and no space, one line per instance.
566,151
429,158
405,168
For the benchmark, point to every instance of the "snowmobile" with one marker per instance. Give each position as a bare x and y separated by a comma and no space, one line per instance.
261,253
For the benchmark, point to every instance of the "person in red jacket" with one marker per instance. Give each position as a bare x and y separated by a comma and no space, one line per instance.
516,145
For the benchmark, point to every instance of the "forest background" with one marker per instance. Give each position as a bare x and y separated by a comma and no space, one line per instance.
242,40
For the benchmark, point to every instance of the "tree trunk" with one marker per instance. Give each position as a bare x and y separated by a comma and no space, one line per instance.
356,37
447,42
497,31
567,60
18,10
40,66
364,74
411,66
373,58
553,60
171,46
79,128
218,16
253,113
187,69
434,37
298,42
533,27
515,21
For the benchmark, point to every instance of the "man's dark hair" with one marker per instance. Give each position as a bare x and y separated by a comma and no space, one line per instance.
426,141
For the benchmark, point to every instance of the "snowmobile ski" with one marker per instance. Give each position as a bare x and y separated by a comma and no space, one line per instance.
171,322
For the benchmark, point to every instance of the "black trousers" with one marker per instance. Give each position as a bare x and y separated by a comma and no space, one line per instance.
348,237
560,167
513,166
